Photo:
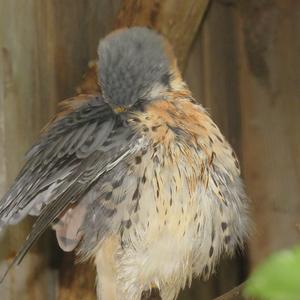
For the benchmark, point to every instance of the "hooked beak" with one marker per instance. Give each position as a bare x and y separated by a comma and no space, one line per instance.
119,109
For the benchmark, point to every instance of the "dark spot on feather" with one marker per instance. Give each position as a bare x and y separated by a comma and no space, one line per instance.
144,178
136,193
193,100
224,226
221,208
157,209
213,155
166,211
156,159
122,230
219,138
108,196
171,201
195,217
145,129
137,207
236,163
213,235
157,183
165,222
107,143
211,140
227,239
177,130
144,151
206,270
110,212
154,128
155,144
128,224
117,183
211,251
198,227
138,160
123,244
136,120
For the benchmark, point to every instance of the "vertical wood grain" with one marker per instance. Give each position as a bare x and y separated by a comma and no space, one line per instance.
44,49
26,98
270,101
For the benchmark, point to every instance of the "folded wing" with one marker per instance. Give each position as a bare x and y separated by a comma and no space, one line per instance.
83,142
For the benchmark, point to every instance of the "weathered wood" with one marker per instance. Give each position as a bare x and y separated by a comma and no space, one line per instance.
177,20
27,97
270,109
44,50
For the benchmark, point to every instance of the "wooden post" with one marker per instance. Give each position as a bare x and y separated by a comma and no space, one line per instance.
270,109
44,49
27,98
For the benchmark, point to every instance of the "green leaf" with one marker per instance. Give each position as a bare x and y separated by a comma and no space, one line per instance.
278,278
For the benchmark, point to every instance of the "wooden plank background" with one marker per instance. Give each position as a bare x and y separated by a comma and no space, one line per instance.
244,67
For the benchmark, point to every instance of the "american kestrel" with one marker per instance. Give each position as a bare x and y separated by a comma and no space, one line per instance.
138,177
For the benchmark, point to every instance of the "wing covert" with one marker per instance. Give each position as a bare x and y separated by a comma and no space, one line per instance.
71,155
70,136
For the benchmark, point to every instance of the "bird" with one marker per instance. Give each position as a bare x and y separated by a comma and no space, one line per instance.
136,177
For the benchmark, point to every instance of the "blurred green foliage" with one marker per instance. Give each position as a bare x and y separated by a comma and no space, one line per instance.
278,278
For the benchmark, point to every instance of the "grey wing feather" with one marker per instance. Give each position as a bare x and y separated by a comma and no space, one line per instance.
69,171
54,157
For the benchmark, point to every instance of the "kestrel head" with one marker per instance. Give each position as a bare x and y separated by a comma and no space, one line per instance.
135,65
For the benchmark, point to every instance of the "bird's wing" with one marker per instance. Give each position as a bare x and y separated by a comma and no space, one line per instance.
82,143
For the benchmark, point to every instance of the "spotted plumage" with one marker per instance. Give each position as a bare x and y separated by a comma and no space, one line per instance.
137,177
